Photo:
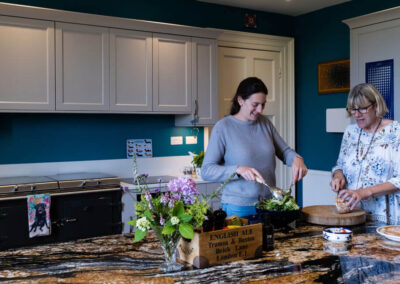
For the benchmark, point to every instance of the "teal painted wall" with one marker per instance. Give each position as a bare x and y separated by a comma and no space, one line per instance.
322,36
30,138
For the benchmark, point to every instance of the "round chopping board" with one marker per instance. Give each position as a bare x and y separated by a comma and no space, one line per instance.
327,215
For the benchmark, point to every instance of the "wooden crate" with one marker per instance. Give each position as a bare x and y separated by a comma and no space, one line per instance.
221,246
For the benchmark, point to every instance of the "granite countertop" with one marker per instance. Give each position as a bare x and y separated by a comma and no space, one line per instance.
300,255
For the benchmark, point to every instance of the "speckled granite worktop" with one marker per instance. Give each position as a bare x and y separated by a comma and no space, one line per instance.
300,256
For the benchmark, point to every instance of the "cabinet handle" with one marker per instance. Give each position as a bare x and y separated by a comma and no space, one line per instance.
3,214
70,220
196,109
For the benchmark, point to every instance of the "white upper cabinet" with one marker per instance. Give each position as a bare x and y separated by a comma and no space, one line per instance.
172,79
27,64
130,70
204,85
82,60
76,62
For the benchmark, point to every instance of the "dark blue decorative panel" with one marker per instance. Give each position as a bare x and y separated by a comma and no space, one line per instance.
380,74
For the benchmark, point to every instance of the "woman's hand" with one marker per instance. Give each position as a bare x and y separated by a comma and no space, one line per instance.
353,197
338,180
299,169
249,173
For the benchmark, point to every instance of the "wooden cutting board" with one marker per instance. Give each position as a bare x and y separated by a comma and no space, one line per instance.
327,215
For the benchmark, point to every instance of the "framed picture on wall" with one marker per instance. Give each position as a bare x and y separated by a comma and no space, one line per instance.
334,76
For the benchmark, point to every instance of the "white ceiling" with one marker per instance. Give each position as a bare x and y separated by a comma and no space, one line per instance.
286,7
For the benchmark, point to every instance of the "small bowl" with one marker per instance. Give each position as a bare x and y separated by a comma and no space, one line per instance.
337,234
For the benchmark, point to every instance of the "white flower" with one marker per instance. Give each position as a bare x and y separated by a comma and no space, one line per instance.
174,220
143,224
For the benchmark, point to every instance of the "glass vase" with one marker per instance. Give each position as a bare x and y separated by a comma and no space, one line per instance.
169,244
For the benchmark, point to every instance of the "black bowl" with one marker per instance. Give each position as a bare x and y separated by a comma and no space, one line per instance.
280,219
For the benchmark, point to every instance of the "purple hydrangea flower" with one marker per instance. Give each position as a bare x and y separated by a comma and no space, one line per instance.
162,220
157,190
148,196
185,187
164,198
171,203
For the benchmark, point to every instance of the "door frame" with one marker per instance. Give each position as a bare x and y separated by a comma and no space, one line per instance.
285,46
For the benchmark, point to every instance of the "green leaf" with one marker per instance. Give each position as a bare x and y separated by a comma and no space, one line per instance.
168,223
139,235
148,215
179,209
132,222
168,230
186,231
185,218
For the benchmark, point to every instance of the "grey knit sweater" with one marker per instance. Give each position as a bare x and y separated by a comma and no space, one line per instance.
253,144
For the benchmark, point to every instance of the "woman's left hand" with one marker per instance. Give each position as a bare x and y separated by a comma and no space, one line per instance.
299,169
352,197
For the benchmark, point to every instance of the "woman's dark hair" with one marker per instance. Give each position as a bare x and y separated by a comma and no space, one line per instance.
246,88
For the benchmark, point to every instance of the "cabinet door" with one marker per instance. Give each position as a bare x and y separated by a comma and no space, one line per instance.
82,60
130,70
172,87
89,215
27,66
204,85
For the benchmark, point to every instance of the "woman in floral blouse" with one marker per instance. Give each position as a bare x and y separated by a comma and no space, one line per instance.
368,167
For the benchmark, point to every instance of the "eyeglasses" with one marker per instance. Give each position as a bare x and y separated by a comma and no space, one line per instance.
361,110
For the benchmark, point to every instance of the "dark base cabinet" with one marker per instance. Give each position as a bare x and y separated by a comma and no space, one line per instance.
72,216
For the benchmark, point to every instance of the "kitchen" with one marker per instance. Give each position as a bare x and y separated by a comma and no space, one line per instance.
49,143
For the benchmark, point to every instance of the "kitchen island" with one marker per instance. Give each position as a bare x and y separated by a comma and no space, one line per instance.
301,255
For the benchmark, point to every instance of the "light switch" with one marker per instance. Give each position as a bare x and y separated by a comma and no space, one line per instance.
191,139
176,140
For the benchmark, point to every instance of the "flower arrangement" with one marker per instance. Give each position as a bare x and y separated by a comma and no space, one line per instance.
171,214
180,209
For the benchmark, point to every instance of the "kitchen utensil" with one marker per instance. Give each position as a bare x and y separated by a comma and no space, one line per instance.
327,215
277,192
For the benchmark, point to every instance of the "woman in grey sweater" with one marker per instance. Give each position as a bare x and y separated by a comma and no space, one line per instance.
246,142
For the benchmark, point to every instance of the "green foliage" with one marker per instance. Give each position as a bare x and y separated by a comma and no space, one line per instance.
168,230
288,203
198,160
139,235
132,222
186,231
198,210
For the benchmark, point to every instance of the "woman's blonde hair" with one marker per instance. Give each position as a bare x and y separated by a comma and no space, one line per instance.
365,92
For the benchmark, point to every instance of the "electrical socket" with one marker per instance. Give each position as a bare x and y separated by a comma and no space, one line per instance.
176,140
191,139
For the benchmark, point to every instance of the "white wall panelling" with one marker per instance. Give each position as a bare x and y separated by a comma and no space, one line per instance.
316,189
337,120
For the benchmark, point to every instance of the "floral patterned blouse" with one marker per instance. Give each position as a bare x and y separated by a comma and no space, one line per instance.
379,164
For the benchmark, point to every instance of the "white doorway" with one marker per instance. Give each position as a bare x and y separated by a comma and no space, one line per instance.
271,59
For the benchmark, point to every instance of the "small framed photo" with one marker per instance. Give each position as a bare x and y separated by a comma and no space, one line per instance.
334,76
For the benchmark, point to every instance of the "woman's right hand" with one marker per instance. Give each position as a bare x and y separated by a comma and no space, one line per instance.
338,180
248,173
